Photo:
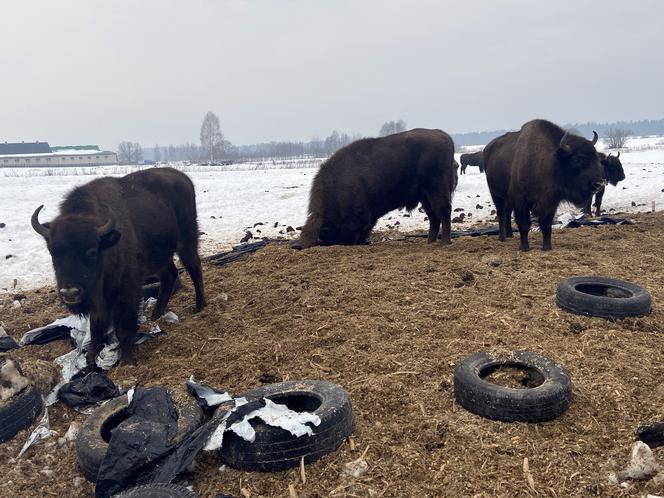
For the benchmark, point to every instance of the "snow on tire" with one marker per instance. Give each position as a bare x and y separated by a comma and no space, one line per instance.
276,449
546,401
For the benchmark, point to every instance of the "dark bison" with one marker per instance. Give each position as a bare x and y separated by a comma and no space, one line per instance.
110,235
472,159
550,166
368,178
612,172
498,156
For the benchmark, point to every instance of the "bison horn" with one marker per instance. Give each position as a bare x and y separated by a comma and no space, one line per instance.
563,142
595,137
39,228
618,156
106,227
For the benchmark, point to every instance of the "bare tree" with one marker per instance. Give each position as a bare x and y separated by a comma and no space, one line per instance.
212,139
157,153
616,138
391,127
130,153
137,157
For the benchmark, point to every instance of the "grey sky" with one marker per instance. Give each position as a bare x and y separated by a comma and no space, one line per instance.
93,71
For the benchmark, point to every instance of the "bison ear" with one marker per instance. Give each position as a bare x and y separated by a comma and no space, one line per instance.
563,154
109,239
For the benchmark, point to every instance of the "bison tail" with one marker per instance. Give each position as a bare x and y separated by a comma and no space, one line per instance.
310,232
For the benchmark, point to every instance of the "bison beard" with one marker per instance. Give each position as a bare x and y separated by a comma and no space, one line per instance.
549,166
368,178
110,235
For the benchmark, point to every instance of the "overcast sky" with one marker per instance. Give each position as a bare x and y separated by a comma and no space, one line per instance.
93,71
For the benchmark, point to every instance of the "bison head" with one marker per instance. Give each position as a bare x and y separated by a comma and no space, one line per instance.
579,169
76,244
613,170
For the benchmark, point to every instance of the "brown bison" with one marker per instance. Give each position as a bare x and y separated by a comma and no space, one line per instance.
472,159
612,172
110,235
498,156
550,166
369,178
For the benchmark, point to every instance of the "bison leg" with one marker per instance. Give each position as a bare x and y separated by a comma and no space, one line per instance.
446,217
508,221
192,263
125,319
434,221
502,211
522,215
99,323
598,202
463,169
167,278
586,209
545,222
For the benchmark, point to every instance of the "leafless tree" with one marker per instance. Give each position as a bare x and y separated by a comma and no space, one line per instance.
616,138
157,153
391,127
130,153
212,139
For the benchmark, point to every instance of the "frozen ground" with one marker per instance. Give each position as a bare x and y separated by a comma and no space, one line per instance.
271,193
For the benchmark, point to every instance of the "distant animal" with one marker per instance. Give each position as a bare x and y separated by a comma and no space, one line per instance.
111,234
612,172
472,159
549,166
370,177
498,155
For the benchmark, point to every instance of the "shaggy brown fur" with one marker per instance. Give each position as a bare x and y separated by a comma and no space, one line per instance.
110,235
550,166
498,156
368,178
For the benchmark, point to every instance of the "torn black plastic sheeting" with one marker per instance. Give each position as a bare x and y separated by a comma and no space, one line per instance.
87,388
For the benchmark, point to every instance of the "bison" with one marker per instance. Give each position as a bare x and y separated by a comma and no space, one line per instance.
612,172
549,166
498,156
366,179
110,235
472,159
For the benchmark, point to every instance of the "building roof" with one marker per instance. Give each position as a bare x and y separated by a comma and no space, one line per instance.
58,148
7,148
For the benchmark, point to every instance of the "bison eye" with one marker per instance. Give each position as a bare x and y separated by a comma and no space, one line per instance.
91,253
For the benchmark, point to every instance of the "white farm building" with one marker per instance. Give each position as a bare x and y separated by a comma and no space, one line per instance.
40,154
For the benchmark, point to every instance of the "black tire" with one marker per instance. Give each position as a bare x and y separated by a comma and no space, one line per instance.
276,449
152,289
20,412
588,296
92,440
157,491
545,402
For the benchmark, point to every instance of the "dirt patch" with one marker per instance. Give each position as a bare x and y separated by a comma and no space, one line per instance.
389,322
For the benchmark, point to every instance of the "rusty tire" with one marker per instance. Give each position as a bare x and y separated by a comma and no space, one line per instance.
276,449
92,440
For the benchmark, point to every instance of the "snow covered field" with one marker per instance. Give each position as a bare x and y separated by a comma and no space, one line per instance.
271,193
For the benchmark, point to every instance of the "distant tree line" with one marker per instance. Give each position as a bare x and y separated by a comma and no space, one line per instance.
214,147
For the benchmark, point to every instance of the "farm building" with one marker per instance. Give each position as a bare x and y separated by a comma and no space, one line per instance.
41,154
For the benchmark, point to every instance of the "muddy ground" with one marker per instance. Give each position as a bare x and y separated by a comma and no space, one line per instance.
389,322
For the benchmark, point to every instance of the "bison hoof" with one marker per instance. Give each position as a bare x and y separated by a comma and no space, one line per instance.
524,247
297,246
200,305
